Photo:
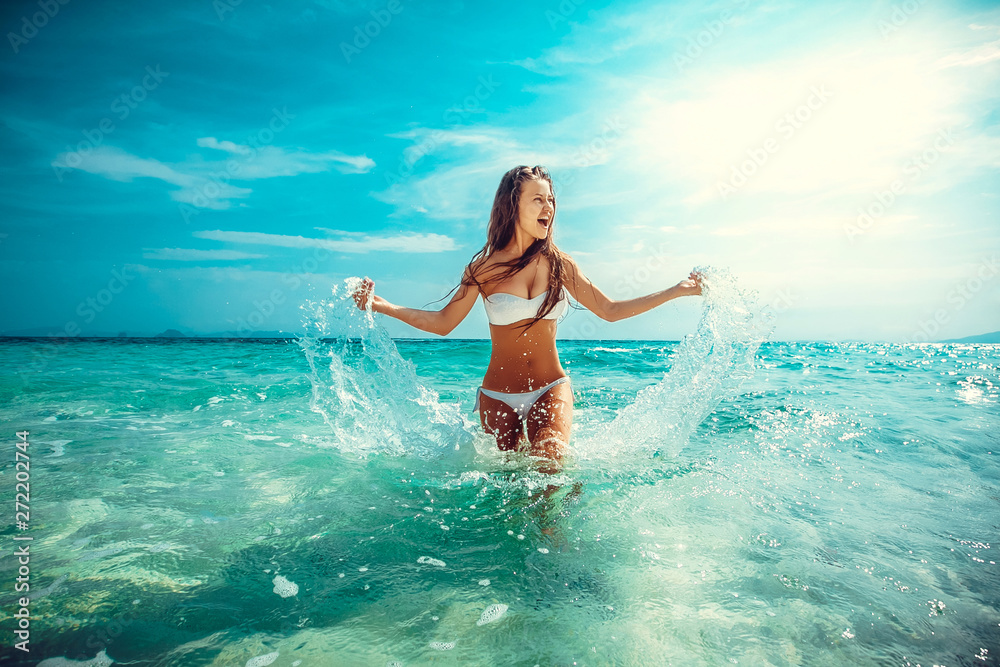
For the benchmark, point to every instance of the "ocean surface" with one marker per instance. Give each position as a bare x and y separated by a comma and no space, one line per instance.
332,500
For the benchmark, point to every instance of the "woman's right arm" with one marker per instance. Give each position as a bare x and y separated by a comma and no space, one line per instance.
440,322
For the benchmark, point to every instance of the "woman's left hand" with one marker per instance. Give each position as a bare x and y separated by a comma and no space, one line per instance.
691,286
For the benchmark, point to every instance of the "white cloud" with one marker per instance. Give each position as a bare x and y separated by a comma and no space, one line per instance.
352,243
211,194
271,161
473,161
194,255
446,137
599,35
462,191
425,141
228,146
978,56
118,165
209,184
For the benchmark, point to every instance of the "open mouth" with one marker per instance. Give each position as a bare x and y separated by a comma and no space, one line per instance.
544,222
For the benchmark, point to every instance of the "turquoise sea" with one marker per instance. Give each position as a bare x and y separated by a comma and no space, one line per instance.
331,501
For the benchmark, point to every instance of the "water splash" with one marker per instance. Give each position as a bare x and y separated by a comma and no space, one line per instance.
366,392
707,367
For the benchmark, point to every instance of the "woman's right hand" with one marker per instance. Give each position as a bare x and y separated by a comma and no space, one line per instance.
691,286
364,292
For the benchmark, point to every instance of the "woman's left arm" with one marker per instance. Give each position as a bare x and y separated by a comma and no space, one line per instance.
588,295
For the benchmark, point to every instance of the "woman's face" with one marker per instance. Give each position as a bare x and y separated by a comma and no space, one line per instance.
536,209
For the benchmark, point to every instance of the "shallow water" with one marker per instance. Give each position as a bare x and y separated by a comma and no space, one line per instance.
727,500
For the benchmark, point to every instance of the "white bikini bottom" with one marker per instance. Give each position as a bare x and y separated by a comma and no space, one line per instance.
519,403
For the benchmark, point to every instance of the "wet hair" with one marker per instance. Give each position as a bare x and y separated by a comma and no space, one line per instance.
500,232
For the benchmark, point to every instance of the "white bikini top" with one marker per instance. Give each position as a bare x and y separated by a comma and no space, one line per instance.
503,308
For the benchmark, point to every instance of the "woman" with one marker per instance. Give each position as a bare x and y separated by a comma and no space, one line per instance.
525,399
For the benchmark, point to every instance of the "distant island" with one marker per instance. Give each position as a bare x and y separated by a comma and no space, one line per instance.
992,337
170,333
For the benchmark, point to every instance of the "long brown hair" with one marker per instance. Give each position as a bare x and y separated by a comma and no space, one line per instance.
503,222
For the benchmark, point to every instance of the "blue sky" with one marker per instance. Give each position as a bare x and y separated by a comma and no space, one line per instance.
209,165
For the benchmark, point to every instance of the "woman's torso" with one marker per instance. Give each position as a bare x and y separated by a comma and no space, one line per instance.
522,362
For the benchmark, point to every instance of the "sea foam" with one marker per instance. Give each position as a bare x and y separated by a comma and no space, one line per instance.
492,613
284,587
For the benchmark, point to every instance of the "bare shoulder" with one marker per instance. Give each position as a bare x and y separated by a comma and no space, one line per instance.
487,268
569,265
478,271
477,267
479,263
